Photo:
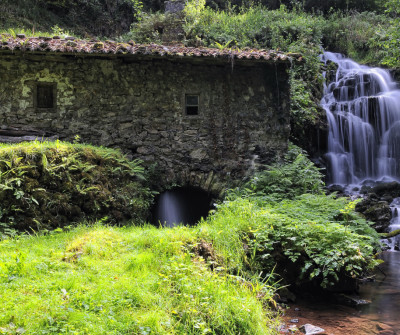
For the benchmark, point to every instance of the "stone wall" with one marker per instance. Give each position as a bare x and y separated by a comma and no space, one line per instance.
137,104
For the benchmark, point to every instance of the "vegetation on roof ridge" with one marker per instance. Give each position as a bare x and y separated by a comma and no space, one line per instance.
72,44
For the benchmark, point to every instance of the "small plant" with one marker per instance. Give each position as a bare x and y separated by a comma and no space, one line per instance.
14,267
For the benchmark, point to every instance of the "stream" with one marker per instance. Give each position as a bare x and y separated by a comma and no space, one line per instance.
362,105
384,293
380,317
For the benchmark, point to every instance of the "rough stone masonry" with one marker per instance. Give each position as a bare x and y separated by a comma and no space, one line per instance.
138,101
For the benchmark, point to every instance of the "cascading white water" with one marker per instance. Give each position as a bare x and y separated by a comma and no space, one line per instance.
363,110
181,205
170,209
394,242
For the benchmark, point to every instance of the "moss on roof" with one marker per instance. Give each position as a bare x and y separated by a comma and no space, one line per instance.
72,45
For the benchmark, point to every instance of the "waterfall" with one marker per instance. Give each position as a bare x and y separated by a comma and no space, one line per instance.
362,105
181,205
170,209
393,243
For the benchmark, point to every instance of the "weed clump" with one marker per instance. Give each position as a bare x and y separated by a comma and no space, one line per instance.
49,185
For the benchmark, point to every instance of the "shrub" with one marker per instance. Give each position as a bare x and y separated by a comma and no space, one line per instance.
303,240
389,35
282,221
353,34
149,28
49,185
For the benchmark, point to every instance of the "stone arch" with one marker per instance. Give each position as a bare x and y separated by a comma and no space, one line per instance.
209,181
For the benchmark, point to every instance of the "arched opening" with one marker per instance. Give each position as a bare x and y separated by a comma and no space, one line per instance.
181,205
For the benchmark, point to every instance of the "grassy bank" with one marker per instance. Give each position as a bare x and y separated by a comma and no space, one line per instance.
218,277
133,280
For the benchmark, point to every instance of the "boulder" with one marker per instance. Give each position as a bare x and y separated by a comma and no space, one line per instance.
310,329
376,211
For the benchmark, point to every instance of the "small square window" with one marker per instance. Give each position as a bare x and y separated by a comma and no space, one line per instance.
45,94
192,104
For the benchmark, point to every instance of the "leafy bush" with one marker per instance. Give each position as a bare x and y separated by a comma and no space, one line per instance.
389,35
303,240
254,27
353,34
304,237
149,28
49,185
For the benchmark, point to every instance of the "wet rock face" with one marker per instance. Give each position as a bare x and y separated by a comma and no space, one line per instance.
376,211
375,206
138,105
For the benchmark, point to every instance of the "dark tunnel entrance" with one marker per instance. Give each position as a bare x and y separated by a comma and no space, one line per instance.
181,205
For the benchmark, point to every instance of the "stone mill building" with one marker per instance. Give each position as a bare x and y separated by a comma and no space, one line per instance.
202,115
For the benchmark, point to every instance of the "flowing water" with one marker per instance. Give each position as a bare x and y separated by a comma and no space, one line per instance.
170,209
384,291
362,105
181,205
393,243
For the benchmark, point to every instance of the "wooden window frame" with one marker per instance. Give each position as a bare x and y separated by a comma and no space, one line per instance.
191,106
36,99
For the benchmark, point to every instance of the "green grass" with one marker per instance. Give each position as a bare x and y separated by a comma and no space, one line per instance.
200,280
132,280
55,31
215,278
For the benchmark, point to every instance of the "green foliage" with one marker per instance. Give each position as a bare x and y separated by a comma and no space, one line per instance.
149,28
138,7
12,268
354,34
253,27
326,5
193,8
291,227
48,185
389,36
294,176
304,239
132,280
54,31
82,17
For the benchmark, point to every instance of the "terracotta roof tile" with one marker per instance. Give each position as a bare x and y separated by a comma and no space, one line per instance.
72,45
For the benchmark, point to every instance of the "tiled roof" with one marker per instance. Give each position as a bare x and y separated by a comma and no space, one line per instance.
71,45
